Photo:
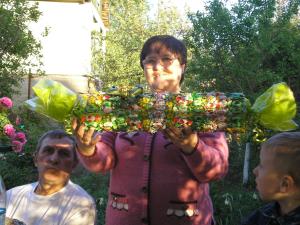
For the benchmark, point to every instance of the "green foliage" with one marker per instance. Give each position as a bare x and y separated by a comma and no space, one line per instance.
246,48
19,51
168,20
17,169
119,63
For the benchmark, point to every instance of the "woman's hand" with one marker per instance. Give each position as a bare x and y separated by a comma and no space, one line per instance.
184,138
86,140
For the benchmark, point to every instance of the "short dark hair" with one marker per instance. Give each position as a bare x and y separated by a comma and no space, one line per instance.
286,147
174,45
57,134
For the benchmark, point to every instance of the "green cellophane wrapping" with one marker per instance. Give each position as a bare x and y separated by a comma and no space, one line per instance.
53,100
276,108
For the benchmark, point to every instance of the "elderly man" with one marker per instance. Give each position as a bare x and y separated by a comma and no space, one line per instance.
54,199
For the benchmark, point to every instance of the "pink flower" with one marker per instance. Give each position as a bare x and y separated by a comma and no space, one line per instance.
6,102
17,146
9,130
20,136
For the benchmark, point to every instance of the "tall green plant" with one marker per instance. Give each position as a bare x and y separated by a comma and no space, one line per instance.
19,50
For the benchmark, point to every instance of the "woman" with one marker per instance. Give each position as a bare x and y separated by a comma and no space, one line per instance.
161,178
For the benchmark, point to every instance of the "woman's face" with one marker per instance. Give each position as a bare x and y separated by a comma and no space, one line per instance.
163,71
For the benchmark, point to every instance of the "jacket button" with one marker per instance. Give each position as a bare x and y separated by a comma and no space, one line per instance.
145,189
146,157
144,220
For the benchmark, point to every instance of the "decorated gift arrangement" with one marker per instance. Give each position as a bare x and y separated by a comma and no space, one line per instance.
135,110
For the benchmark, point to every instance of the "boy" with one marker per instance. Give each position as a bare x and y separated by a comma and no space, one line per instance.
278,181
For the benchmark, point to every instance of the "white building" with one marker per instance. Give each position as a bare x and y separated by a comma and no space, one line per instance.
67,48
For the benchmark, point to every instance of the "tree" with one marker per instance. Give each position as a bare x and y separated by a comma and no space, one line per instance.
168,20
246,48
117,65
130,26
19,51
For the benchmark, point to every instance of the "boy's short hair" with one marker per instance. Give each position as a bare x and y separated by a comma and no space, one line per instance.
57,134
286,147
174,45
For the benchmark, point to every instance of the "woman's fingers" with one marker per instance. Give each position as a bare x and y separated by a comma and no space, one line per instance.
84,137
88,135
173,134
95,139
184,138
80,131
176,132
187,131
74,124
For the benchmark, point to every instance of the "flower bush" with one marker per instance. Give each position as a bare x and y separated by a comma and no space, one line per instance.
9,134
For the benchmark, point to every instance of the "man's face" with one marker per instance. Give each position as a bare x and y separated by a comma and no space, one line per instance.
163,71
55,160
268,179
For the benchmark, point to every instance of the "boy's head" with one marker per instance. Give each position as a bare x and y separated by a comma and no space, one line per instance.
278,173
161,57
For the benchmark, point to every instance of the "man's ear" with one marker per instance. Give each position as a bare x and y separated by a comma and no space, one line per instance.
287,183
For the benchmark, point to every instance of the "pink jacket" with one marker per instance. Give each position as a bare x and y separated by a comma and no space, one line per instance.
154,182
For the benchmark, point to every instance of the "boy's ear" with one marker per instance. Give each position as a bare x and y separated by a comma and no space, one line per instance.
183,67
287,182
34,155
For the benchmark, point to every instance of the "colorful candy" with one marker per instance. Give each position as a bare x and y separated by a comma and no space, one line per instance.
151,112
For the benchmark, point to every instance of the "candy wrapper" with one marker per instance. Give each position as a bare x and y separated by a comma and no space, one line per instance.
52,99
276,108
135,110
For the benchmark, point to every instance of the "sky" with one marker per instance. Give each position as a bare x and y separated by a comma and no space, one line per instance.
194,5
